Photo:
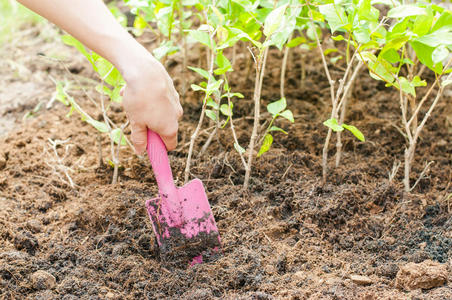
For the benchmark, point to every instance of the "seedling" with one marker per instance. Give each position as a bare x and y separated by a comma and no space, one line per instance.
339,95
110,86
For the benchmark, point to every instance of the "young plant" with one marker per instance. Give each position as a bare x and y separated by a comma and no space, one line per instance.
276,109
337,19
215,37
278,26
110,86
420,37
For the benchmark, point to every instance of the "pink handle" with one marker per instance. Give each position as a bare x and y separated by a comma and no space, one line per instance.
158,157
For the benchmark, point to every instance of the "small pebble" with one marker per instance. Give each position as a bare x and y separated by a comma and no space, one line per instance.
42,280
34,226
361,280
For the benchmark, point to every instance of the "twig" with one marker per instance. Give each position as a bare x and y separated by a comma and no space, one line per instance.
421,176
193,137
395,169
283,68
260,70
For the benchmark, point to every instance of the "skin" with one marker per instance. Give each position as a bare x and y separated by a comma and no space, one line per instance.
149,98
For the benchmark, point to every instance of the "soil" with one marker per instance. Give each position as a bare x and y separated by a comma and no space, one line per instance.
288,237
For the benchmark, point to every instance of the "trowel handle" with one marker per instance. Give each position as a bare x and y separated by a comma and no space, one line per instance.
158,157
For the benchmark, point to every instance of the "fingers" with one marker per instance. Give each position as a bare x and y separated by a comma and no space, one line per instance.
170,138
139,137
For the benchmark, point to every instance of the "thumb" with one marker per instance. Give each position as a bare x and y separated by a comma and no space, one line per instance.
139,137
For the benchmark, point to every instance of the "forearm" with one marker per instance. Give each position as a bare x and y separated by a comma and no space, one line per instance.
91,23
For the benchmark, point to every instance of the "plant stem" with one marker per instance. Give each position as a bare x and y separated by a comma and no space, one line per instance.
414,136
231,122
99,151
342,106
283,68
303,71
184,47
260,70
333,111
210,59
207,143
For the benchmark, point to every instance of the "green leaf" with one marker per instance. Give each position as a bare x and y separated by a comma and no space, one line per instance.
391,55
107,71
444,20
201,72
197,88
211,114
296,41
358,134
224,65
422,24
407,10
239,148
213,86
379,69
275,128
71,41
332,123
338,38
139,24
395,44
364,8
115,95
211,103
311,33
406,86
226,110
276,107
330,50
439,54
442,36
336,59
115,135
266,144
288,115
202,37
167,48
417,81
231,95
274,19
409,87
100,126
335,15
60,94
424,53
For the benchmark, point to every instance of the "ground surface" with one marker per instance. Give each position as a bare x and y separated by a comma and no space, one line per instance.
289,237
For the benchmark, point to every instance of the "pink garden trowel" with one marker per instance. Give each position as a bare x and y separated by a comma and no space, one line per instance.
182,220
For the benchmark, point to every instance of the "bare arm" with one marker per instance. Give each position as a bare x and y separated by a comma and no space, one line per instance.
150,99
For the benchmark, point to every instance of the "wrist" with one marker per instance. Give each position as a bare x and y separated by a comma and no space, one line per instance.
132,59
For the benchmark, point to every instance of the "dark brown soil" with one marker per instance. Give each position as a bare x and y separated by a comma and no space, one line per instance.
288,237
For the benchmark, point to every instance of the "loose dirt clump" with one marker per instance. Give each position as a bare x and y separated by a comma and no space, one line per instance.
425,275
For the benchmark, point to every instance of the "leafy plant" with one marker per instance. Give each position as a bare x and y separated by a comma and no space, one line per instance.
411,38
110,85
276,109
337,19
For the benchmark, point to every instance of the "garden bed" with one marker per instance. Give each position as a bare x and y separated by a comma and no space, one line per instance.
287,237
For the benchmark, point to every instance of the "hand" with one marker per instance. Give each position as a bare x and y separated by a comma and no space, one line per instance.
151,101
